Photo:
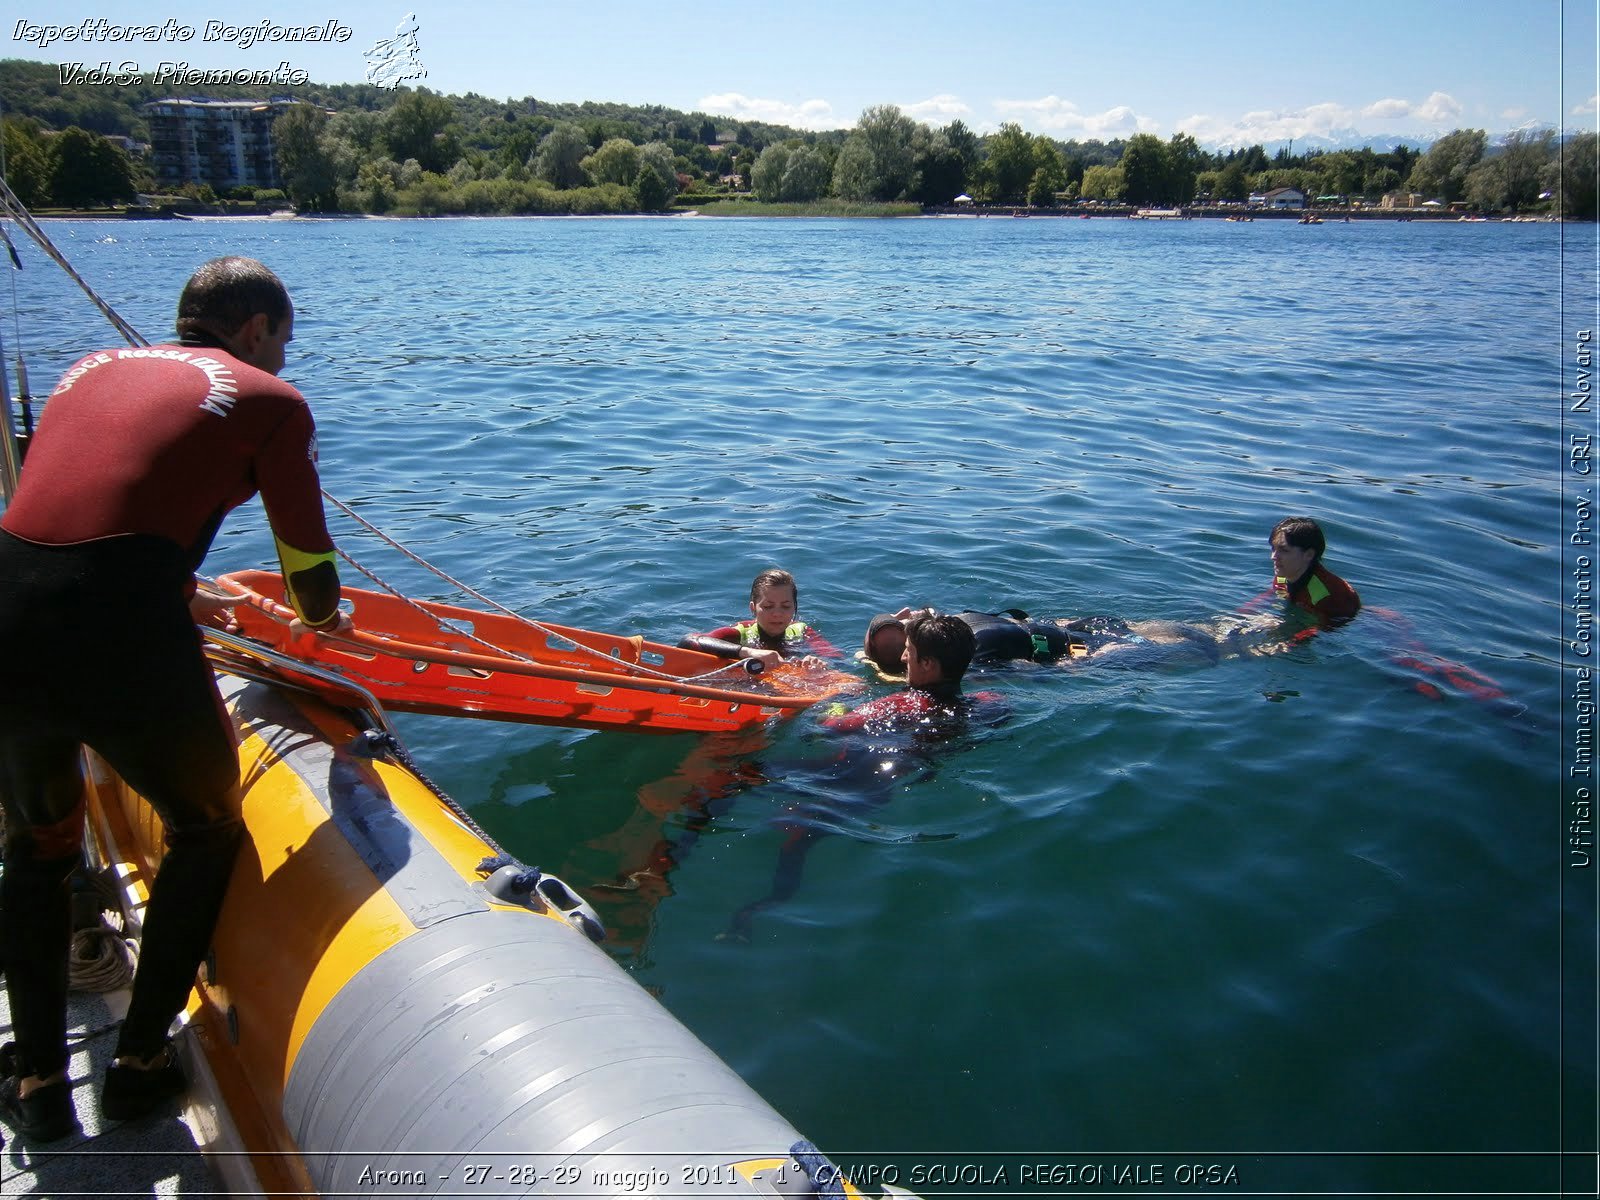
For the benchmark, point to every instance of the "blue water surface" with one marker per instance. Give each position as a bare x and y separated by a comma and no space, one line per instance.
1290,912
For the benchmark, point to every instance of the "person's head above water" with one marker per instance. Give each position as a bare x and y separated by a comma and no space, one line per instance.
939,648
1297,546
885,643
774,601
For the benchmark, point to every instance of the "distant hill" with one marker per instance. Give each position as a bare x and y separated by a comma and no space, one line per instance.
34,89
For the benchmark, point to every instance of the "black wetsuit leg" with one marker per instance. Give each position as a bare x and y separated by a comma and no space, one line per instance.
1013,636
998,638
109,657
43,845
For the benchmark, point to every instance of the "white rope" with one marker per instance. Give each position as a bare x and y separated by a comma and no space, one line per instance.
102,960
102,957
442,623
15,209
610,661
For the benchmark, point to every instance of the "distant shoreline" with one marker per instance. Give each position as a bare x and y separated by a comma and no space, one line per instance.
1326,216
1237,214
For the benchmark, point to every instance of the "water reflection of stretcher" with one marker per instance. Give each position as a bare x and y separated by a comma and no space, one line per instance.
417,656
640,855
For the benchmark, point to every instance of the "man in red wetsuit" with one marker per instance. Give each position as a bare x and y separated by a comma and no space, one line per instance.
139,455
938,648
1297,548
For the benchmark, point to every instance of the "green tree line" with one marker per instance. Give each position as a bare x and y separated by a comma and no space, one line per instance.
356,148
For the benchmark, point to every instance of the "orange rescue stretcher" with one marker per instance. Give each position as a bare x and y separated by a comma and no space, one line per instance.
426,657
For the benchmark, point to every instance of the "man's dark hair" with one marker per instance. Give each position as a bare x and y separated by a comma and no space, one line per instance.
946,639
1302,533
225,293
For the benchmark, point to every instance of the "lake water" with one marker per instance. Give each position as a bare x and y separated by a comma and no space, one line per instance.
1284,916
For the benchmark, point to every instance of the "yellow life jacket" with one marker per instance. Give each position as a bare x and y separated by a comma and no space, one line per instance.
750,633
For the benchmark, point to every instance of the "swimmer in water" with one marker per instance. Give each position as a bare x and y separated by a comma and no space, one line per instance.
883,744
1014,636
1300,578
773,633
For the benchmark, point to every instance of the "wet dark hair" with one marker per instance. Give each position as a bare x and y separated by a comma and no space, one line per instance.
225,293
946,639
1302,533
774,578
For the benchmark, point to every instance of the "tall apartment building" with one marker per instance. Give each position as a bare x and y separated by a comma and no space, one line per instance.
226,143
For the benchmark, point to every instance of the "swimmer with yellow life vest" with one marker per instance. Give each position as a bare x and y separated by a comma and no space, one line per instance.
773,633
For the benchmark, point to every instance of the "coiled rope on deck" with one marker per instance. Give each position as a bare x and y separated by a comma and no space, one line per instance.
102,958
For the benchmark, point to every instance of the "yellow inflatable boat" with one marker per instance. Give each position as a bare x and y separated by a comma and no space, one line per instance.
394,1007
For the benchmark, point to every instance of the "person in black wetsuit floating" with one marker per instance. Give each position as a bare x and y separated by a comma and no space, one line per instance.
1014,636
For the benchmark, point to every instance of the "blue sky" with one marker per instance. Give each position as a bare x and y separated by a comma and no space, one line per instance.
1235,73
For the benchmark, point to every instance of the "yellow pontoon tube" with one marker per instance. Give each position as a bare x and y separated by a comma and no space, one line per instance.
394,1008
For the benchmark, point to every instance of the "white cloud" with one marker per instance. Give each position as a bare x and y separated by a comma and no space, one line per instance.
1328,121
811,114
1060,116
1333,122
1063,119
940,109
1269,125
1387,110
1209,131
1592,104
1439,110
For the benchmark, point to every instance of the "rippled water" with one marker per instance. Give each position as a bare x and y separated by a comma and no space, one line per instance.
1248,912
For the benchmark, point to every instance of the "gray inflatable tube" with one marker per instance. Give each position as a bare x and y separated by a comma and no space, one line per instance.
493,1051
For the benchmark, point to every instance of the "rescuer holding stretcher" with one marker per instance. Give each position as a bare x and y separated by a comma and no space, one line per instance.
139,455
